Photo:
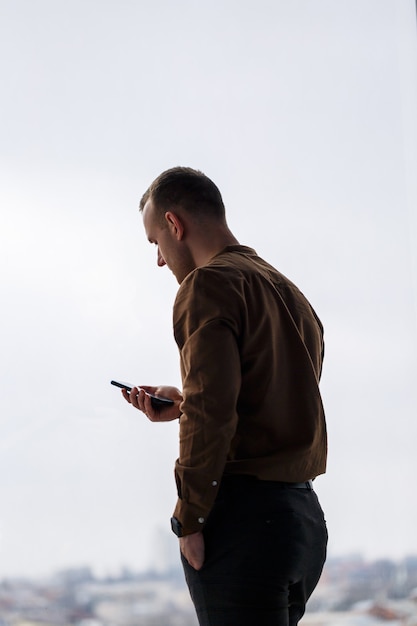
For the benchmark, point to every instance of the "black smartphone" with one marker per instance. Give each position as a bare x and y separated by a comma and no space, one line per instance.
156,401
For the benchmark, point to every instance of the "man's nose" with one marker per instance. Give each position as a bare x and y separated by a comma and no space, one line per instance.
161,261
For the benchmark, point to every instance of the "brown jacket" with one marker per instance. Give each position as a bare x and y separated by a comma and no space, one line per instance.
251,350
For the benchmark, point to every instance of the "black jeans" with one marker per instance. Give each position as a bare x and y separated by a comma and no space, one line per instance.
265,550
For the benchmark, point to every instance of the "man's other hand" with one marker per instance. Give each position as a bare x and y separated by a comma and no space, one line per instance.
192,547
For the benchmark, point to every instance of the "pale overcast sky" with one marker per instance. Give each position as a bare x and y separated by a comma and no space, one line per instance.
303,113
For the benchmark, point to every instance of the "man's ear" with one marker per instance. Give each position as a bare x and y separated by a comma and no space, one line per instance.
175,225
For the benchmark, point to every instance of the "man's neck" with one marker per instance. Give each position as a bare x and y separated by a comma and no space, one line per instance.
209,245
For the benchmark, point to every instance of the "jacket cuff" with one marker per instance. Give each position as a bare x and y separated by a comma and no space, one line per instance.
191,518
196,495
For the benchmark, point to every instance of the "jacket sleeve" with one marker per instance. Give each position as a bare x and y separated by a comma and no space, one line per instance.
206,328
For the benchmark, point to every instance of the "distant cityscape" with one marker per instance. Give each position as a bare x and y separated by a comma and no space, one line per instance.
352,592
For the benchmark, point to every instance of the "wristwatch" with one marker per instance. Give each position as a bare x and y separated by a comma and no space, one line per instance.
176,527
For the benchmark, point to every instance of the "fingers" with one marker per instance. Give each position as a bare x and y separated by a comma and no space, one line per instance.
136,398
132,397
147,405
125,395
141,401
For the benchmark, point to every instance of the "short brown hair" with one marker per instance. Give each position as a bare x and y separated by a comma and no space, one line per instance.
188,188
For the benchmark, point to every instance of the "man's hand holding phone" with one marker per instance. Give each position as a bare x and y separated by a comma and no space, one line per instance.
160,404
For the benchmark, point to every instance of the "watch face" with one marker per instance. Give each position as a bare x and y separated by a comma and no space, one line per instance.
176,526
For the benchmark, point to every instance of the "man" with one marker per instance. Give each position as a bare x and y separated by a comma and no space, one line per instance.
252,430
